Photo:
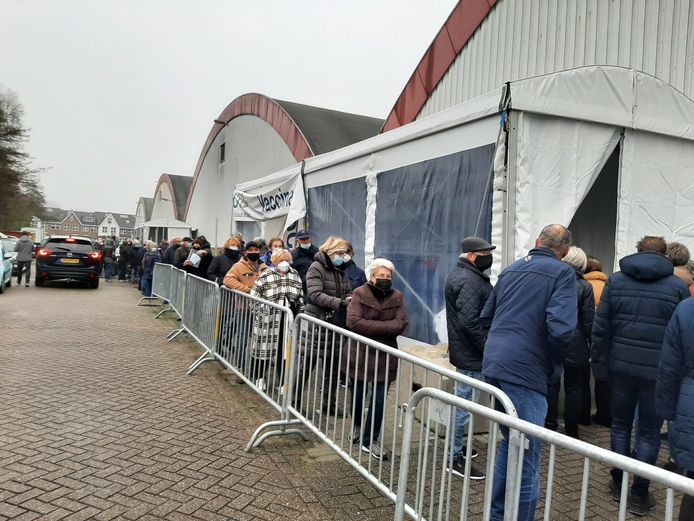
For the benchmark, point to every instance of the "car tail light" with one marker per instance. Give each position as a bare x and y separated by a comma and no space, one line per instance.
70,240
44,253
94,255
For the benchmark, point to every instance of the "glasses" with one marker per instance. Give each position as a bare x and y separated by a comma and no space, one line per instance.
340,252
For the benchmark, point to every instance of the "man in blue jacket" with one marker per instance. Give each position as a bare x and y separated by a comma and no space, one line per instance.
635,308
533,314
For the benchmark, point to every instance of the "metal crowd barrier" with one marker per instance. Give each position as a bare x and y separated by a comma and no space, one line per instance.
200,315
429,489
254,343
161,286
177,301
339,389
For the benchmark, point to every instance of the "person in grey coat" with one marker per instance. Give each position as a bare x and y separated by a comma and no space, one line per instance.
24,248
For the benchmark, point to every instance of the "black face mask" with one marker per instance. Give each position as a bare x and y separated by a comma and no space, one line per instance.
384,284
253,257
231,253
484,262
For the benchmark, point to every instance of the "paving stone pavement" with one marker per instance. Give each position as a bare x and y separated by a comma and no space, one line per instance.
98,420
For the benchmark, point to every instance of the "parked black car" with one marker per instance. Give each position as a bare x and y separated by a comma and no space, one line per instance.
68,258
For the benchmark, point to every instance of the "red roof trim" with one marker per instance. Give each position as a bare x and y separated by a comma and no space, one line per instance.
269,111
461,24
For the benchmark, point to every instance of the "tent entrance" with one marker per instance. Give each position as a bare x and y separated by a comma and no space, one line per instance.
594,225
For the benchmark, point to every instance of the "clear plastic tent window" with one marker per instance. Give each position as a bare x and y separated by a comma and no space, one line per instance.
423,211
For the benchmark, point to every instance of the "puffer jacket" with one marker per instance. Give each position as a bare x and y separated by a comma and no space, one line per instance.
578,354
467,291
636,306
242,275
327,288
597,279
378,315
150,258
674,391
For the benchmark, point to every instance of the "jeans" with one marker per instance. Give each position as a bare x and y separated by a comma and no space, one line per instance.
146,287
603,410
627,393
108,270
461,417
376,401
21,267
687,506
135,274
532,407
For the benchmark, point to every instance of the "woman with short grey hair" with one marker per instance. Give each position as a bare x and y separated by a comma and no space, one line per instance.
376,311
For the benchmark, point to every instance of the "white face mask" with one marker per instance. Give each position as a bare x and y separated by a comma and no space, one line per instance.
276,249
347,258
283,267
234,248
305,246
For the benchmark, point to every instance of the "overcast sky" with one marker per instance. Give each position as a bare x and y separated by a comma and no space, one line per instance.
118,92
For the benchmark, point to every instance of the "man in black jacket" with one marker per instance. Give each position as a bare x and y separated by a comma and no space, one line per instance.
467,290
303,255
635,308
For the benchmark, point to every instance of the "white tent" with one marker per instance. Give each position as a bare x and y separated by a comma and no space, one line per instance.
165,228
607,151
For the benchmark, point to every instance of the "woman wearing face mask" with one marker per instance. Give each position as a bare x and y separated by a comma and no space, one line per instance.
355,274
281,285
275,244
205,259
376,311
327,294
223,262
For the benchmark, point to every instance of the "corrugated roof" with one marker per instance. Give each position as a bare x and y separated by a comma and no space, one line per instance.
181,186
327,130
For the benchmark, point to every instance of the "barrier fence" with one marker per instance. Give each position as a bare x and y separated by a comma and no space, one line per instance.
417,484
161,285
354,394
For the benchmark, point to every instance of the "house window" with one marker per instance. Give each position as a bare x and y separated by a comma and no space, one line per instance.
109,221
113,231
55,227
104,229
88,219
222,151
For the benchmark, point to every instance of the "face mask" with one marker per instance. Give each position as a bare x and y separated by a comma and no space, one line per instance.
234,248
347,258
337,261
384,284
276,249
196,247
484,262
305,246
253,257
283,267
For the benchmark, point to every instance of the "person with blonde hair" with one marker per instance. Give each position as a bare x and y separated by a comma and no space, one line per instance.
577,397
282,285
376,311
223,262
274,244
327,295
151,257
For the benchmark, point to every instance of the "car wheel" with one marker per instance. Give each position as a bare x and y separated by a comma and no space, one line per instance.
93,284
2,288
9,283
38,282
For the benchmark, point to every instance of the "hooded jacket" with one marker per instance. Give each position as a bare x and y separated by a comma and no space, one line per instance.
24,247
636,306
532,311
467,291
674,390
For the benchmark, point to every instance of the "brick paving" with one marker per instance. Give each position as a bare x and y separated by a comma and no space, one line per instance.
99,421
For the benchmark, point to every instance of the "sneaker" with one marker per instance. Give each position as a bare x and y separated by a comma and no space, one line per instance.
355,435
458,469
375,449
260,384
615,490
640,505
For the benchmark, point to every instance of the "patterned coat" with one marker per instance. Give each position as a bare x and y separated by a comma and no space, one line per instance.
285,290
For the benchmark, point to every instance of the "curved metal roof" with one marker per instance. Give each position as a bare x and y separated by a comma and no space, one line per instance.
307,130
179,186
461,24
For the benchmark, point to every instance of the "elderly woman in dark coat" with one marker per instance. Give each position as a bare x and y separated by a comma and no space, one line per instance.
327,295
376,311
674,392
577,363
